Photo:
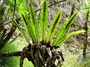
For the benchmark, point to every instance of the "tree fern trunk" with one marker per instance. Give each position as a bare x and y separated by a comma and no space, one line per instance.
42,56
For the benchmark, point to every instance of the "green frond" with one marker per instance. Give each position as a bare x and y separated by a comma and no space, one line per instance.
34,21
29,27
53,26
43,20
65,38
21,30
63,29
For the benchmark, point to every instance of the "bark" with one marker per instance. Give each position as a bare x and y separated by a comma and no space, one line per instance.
41,56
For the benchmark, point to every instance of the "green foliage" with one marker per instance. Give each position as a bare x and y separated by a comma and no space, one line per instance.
12,61
34,32
12,47
11,3
85,10
19,6
27,63
88,28
87,6
9,62
6,61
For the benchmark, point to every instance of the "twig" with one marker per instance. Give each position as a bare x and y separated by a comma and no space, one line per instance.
11,54
85,35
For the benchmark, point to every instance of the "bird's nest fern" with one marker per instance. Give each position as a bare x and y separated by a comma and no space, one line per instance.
42,51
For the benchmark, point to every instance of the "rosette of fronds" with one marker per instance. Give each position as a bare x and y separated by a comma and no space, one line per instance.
37,31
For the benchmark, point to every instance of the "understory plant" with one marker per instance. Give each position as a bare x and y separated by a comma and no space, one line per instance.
42,40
